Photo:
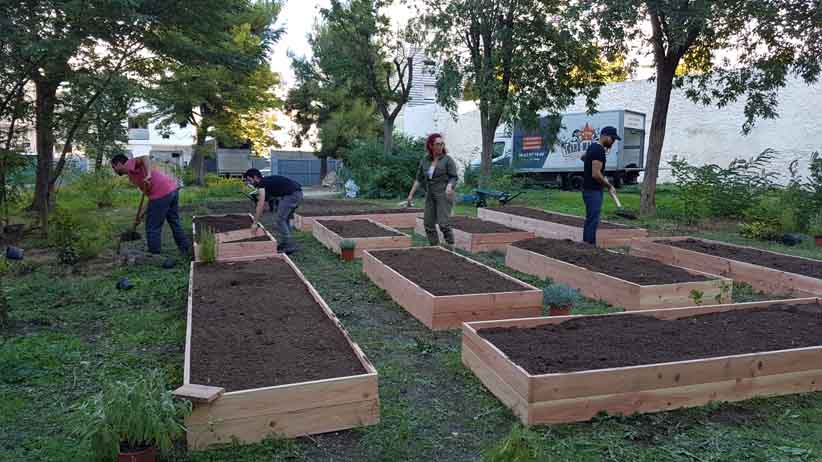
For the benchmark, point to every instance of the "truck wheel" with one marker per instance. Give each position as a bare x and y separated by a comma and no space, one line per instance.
576,182
565,183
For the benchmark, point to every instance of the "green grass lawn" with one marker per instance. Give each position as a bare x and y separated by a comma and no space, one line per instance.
73,330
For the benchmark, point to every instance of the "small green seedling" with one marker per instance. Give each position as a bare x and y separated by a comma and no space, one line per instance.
697,295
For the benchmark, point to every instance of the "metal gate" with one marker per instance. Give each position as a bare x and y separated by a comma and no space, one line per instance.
303,171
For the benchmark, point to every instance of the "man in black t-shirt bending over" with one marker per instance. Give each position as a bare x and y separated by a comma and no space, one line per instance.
289,193
594,181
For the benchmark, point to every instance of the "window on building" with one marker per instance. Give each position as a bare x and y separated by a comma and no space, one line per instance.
430,92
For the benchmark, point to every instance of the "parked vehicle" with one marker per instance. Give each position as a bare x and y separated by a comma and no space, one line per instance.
530,153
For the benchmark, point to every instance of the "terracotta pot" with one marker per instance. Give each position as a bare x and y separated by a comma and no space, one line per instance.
818,240
148,454
347,254
559,310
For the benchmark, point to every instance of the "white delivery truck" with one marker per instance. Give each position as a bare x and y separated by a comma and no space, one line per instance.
531,152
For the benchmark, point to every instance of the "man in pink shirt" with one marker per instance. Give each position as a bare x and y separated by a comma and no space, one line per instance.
163,204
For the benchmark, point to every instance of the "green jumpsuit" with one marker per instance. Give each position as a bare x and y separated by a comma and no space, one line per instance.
437,205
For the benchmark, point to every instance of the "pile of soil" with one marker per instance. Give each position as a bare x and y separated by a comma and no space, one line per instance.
357,228
477,226
221,224
553,217
443,273
325,207
642,271
630,340
805,267
256,325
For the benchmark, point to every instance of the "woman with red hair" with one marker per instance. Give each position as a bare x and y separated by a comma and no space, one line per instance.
437,173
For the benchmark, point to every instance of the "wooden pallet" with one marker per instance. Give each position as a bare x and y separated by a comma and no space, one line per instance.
618,292
606,237
449,311
332,240
227,250
291,410
392,220
478,242
761,278
579,396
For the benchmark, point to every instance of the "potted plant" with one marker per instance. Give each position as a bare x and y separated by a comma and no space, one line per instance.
560,299
129,420
347,249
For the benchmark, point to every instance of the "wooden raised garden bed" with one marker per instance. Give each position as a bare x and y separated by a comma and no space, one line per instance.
442,289
311,210
622,280
475,235
769,272
367,234
234,237
551,370
266,356
555,225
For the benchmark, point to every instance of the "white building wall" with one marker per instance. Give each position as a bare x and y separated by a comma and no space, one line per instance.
701,134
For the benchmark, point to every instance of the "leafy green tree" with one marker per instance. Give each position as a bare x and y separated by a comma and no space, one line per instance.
103,133
375,61
89,43
320,100
517,57
213,94
771,40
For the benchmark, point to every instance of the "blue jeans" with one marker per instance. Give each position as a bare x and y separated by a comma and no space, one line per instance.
285,207
593,205
160,210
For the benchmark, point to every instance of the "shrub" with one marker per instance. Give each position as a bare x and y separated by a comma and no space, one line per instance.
559,295
348,244
100,186
131,415
714,191
384,176
77,239
760,230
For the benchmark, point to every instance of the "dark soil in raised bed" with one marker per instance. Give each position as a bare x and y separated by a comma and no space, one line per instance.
477,226
325,208
812,268
553,217
255,324
261,238
222,224
444,273
631,340
642,271
357,228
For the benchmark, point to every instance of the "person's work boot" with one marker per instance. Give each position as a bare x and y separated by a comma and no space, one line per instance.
293,248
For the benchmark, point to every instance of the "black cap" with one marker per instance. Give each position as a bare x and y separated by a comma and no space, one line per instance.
610,131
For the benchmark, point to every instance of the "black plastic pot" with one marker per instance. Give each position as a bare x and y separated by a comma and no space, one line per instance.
14,253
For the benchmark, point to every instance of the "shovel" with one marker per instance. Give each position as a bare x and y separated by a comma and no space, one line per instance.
621,212
132,234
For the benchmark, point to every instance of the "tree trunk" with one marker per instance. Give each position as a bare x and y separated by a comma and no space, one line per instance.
664,86
46,94
198,158
387,136
488,129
